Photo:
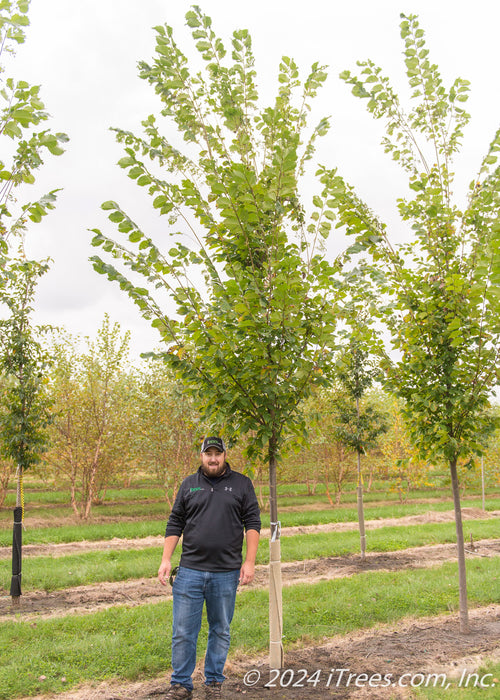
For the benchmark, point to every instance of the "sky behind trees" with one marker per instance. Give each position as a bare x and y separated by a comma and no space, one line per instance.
85,57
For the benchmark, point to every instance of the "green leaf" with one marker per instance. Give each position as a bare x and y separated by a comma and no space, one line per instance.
126,162
109,205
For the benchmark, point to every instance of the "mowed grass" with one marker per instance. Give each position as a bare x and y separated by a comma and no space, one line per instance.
134,643
111,511
53,573
44,496
93,532
155,524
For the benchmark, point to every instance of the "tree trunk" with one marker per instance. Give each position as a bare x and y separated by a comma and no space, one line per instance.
462,577
359,490
275,588
17,543
370,477
72,482
92,480
260,495
327,488
482,484
370,481
340,480
74,504
361,512
308,484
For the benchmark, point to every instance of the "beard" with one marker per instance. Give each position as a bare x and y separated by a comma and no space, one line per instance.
214,473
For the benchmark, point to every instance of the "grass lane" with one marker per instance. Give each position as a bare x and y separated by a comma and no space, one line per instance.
56,573
152,527
134,643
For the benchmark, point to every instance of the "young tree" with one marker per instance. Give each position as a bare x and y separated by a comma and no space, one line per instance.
24,411
252,338
358,429
443,285
21,362
92,425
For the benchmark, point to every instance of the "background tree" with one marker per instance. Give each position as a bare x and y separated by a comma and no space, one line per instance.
442,285
7,466
167,428
328,456
491,461
93,417
251,339
357,429
404,467
471,471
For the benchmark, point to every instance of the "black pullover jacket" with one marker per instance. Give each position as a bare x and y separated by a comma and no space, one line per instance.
211,515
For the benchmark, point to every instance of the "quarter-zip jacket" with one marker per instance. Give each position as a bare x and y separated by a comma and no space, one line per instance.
212,515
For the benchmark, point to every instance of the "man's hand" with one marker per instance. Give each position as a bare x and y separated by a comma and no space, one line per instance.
164,572
247,573
166,566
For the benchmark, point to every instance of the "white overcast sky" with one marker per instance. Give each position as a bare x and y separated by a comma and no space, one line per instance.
84,55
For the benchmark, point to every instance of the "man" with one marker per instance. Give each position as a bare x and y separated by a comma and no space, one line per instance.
212,510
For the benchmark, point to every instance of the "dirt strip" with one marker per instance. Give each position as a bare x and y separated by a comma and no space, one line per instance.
87,599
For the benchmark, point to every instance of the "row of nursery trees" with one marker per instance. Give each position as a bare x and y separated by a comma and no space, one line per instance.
271,317
109,422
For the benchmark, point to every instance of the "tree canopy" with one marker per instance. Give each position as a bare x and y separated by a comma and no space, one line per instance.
251,332
441,288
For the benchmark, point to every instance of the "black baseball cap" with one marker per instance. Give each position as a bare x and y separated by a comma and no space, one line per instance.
216,442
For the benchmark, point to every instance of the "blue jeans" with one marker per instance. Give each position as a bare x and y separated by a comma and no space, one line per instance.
191,590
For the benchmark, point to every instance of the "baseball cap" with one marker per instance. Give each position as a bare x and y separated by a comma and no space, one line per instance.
216,442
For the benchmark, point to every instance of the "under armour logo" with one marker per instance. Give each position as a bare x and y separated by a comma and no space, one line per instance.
228,488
